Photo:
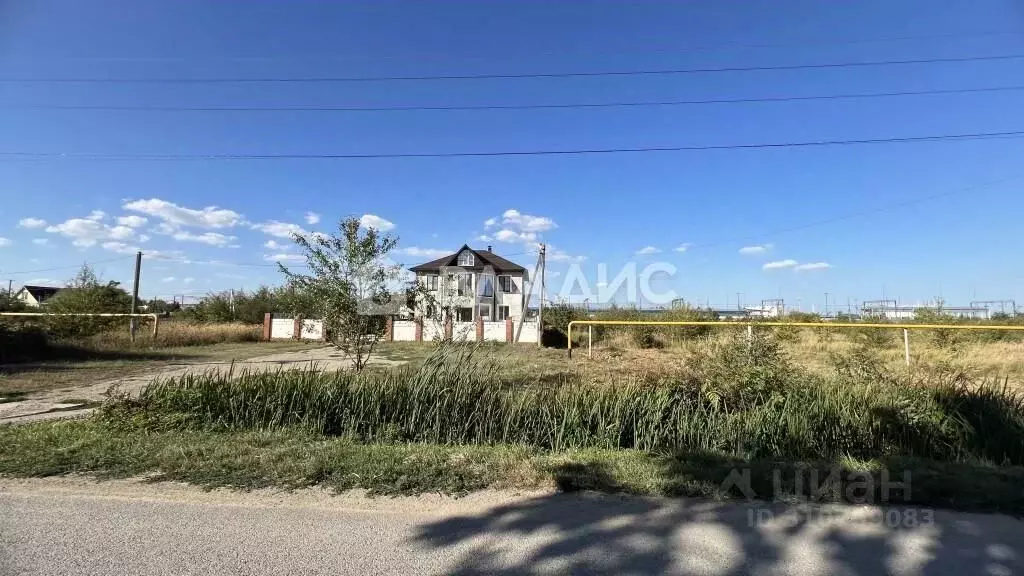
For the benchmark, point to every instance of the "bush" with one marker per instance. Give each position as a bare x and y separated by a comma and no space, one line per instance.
875,337
22,344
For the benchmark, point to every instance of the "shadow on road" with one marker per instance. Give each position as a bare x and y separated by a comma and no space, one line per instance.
586,532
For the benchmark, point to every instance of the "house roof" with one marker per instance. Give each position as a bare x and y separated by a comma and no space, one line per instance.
482,259
40,293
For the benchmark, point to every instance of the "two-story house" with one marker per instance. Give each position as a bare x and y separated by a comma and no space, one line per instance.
472,284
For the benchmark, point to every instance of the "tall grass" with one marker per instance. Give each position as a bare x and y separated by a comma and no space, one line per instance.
26,342
176,335
748,402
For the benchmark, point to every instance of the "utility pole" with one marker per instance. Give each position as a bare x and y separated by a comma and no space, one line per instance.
526,301
543,294
10,288
135,293
826,304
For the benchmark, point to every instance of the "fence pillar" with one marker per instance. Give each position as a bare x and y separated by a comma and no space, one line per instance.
268,321
906,346
590,340
509,331
479,329
297,329
419,330
448,328
389,330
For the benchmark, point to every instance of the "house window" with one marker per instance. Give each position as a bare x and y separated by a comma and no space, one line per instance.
463,314
430,282
466,258
465,285
486,285
502,312
484,311
507,285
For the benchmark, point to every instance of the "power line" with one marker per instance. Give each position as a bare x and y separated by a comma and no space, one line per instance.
490,58
890,206
513,106
661,72
570,152
98,262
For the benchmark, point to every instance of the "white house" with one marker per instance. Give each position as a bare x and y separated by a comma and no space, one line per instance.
35,295
474,284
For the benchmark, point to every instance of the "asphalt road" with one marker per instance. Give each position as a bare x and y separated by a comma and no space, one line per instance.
68,526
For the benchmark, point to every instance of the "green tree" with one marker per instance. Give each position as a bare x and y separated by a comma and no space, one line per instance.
8,303
347,281
87,293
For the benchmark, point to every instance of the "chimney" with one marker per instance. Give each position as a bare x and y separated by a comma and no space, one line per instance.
488,247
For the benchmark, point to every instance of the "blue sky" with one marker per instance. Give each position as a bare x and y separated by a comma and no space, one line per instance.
912,220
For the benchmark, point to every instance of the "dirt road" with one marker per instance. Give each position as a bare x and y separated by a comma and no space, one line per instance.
50,404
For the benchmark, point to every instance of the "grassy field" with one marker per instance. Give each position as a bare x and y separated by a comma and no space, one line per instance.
617,357
293,458
671,420
459,418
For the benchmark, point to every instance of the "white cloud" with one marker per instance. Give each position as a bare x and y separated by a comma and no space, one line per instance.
647,250
490,223
174,215
88,231
176,255
210,238
120,247
4,242
167,279
812,266
758,249
682,247
31,223
506,235
284,258
280,229
430,253
779,264
96,215
144,238
602,284
374,221
121,232
312,218
275,245
131,221
188,280
483,238
526,222
40,241
557,255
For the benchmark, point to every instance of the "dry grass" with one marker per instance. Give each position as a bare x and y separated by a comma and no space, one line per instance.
177,335
616,356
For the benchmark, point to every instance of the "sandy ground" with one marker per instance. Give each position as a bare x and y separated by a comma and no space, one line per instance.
79,526
48,406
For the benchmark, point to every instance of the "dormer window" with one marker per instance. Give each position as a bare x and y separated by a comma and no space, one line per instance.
466,258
